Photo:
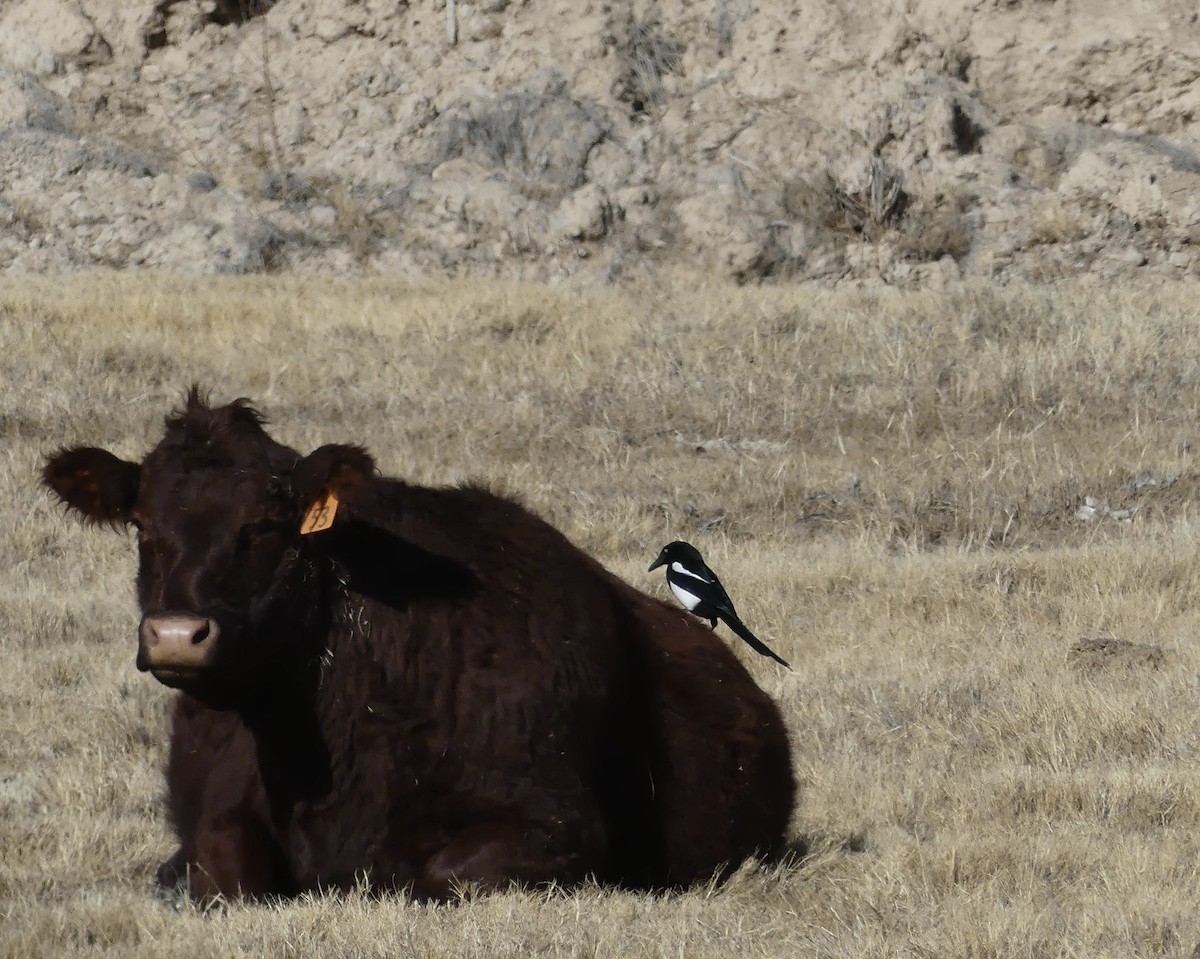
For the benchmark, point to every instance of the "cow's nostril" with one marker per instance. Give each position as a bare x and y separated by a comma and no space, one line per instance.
201,634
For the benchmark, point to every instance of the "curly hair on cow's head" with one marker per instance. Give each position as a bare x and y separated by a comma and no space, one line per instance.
199,422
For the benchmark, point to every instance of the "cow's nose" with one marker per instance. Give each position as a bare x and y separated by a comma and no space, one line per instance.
177,641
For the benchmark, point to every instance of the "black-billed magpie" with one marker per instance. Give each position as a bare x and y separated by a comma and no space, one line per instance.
698,589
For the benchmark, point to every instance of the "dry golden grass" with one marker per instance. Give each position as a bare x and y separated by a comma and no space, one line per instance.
888,484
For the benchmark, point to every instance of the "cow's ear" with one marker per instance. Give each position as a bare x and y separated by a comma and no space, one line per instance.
326,479
102,487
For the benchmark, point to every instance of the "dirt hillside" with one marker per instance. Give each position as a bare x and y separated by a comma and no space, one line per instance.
909,144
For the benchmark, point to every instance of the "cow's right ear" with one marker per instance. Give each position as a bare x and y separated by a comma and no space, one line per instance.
326,478
102,487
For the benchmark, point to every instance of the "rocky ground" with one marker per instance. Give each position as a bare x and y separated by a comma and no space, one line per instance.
548,139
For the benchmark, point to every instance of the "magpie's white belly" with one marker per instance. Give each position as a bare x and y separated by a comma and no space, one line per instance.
689,600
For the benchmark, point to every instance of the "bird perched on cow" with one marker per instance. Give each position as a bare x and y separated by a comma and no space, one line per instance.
700,592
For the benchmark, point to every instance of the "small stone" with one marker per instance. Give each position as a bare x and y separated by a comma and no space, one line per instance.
323,217
287,186
202,182
294,126
1134,257
1111,653
330,29
584,215
486,29
45,63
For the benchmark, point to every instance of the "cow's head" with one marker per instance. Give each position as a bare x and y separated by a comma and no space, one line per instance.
226,521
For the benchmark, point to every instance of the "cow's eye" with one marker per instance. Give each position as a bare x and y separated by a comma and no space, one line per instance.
148,545
252,534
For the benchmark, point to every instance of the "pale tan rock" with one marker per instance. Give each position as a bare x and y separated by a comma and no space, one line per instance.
25,103
42,35
585,214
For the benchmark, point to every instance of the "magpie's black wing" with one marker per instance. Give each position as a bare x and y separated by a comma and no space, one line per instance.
753,641
704,585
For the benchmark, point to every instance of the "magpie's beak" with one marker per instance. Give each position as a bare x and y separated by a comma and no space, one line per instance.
661,561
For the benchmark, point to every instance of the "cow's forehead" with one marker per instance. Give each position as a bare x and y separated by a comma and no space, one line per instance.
198,486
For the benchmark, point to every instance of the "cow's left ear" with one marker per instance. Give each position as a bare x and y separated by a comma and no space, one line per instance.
102,487
326,479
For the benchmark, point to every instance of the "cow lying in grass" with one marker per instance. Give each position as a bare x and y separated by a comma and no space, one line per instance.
431,687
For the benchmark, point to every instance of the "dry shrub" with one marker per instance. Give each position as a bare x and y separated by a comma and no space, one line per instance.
361,223
869,210
813,200
1057,224
878,202
935,228
652,54
540,138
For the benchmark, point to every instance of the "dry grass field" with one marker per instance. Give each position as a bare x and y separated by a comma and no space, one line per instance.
996,705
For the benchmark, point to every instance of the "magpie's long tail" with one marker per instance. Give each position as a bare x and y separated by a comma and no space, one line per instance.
753,641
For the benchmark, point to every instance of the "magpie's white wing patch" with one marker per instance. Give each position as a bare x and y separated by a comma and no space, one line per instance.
681,570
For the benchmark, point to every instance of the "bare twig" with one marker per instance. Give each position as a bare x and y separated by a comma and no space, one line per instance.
269,87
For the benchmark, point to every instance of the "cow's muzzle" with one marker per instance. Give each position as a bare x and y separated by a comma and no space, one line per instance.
176,647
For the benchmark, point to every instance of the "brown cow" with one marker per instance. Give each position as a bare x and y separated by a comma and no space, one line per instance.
431,687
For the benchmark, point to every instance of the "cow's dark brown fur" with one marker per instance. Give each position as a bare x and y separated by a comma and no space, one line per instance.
439,690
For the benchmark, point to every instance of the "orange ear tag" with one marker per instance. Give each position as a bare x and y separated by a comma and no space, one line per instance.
320,515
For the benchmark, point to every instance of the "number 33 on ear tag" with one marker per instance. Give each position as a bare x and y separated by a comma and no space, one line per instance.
320,515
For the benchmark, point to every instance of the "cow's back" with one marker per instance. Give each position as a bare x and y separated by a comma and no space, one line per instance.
726,788
558,663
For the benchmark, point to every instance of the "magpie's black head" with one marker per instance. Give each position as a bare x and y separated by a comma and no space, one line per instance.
679,552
